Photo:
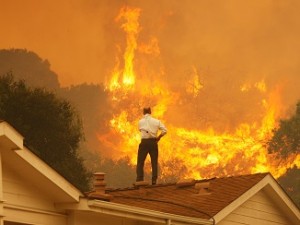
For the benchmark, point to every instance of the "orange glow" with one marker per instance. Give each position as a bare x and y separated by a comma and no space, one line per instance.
261,86
131,28
193,86
203,153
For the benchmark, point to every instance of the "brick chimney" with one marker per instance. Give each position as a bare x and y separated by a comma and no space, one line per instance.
99,186
185,183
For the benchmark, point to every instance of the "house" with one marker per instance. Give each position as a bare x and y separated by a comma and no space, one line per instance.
33,193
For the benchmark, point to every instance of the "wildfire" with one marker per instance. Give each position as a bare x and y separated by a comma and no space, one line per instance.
186,152
131,27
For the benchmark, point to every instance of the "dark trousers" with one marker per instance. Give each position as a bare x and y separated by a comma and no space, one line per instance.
147,146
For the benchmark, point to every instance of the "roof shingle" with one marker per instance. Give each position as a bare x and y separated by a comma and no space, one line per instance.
186,200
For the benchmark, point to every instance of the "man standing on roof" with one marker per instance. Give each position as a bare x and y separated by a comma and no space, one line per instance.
149,127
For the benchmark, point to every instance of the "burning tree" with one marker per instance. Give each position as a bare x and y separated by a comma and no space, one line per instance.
286,137
285,143
51,127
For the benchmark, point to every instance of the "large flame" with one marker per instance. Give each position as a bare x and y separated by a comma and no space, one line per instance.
185,152
131,27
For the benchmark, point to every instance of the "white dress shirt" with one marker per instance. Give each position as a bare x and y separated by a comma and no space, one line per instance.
149,127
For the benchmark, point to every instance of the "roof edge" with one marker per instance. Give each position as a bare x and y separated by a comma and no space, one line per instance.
13,138
269,181
50,173
293,211
14,142
131,212
145,214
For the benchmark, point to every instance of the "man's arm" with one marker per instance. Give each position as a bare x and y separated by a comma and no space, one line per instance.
163,130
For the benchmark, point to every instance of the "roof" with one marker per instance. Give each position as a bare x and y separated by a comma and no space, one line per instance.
193,198
188,201
16,157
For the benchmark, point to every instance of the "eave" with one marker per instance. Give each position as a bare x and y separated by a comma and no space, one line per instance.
131,212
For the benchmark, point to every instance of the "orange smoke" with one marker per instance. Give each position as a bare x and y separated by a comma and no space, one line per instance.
187,152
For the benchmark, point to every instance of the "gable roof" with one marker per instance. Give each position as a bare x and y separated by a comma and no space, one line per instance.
206,199
194,201
18,158
184,198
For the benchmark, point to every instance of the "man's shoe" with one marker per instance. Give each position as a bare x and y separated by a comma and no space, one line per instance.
141,183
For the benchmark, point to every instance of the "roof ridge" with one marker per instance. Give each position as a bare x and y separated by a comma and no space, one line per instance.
208,195
136,187
240,175
111,189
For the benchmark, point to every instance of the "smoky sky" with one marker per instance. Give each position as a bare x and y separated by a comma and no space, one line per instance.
228,42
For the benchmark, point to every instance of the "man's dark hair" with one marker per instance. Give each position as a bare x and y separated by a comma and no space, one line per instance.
147,110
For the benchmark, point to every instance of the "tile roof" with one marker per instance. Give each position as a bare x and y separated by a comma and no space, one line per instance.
185,200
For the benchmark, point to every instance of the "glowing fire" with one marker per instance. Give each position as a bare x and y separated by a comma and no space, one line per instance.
185,152
131,27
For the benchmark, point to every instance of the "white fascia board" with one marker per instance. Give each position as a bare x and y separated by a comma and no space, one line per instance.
144,214
290,209
125,211
50,173
242,199
14,139
267,181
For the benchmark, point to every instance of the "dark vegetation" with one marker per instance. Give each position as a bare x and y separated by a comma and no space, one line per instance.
51,127
286,141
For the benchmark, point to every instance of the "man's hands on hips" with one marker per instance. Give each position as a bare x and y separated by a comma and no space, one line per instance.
159,137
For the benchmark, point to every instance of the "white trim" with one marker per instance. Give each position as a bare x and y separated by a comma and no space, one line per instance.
26,209
12,135
132,212
267,180
291,210
50,173
15,141
145,213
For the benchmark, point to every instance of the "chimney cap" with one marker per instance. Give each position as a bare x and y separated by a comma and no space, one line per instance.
100,196
185,182
99,186
100,173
